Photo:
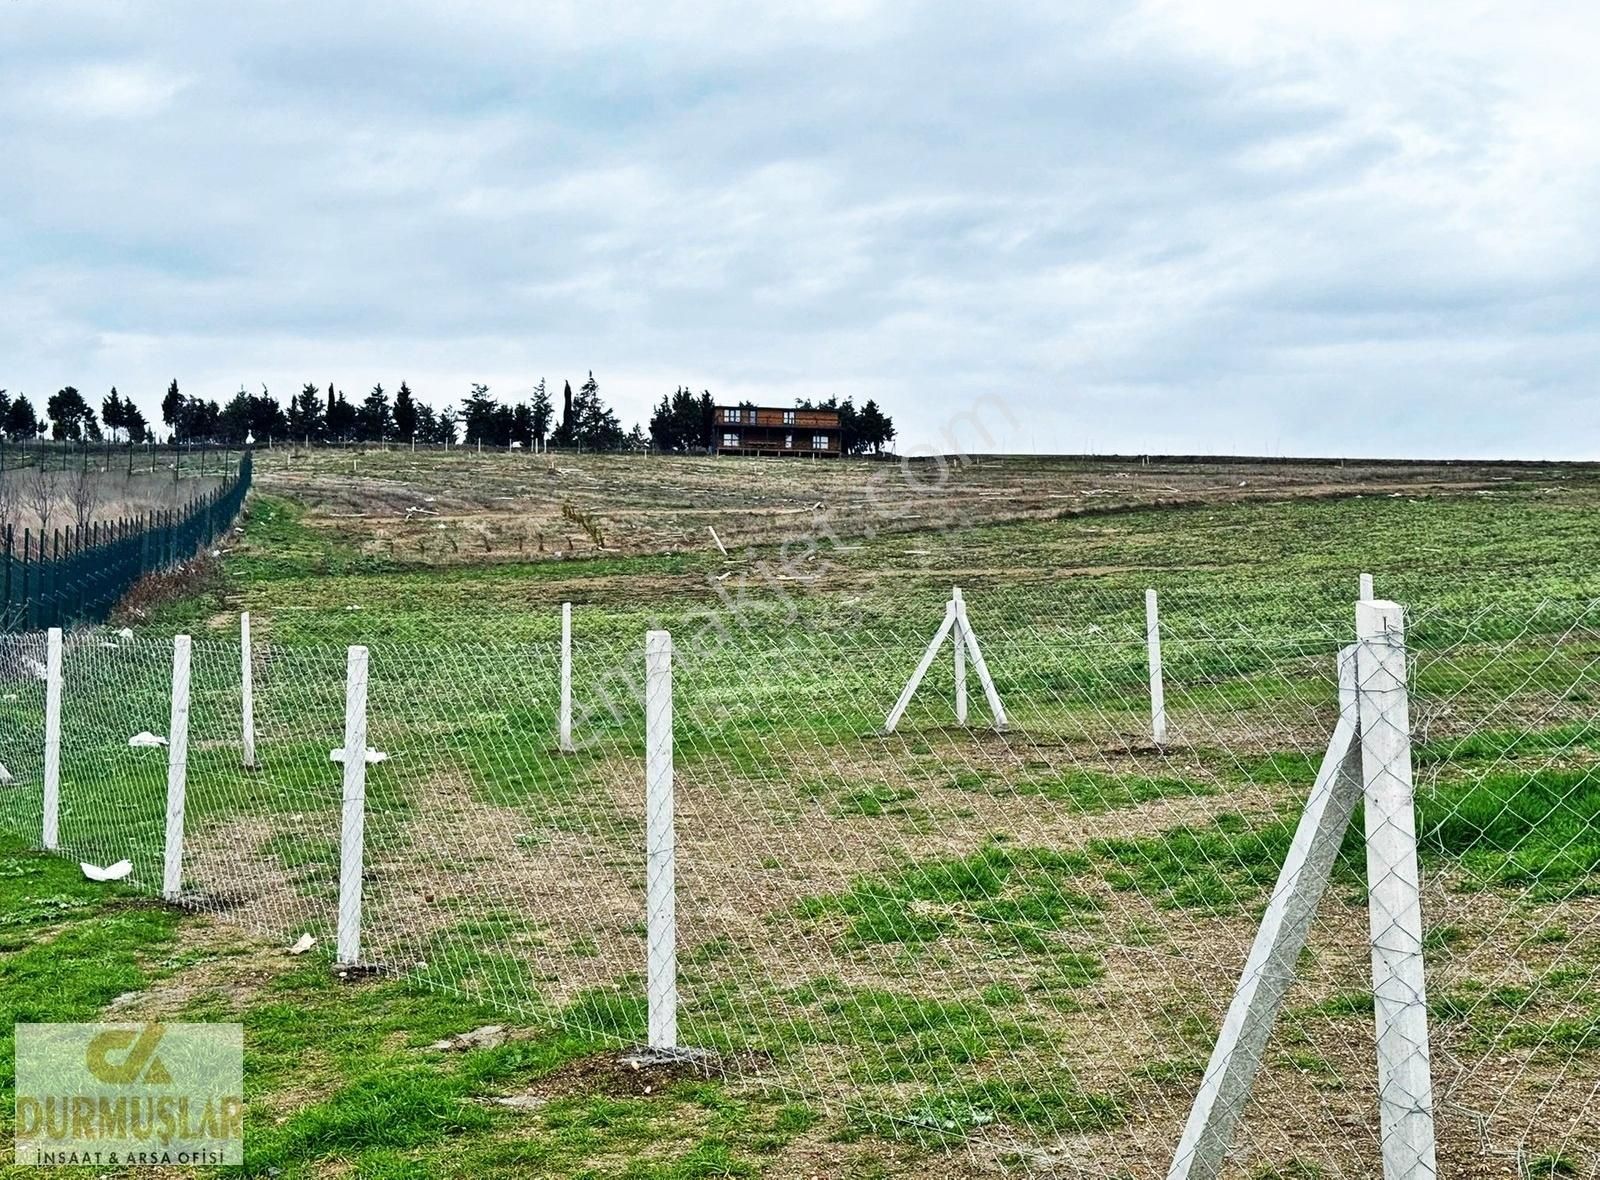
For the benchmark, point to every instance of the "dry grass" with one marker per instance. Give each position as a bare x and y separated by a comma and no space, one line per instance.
465,507
110,495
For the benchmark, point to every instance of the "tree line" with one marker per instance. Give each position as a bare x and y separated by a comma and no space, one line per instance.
70,417
682,422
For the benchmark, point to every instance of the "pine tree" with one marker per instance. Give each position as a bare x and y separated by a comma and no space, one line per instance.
662,433
871,426
111,412
522,425
172,407
374,423
595,426
427,426
267,418
133,423
341,422
477,415
540,410
405,413
233,423
708,421
71,418
446,426
306,415
565,434
22,422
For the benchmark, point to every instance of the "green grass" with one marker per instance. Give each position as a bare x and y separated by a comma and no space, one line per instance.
1537,831
1015,898
1531,830
1088,791
340,1076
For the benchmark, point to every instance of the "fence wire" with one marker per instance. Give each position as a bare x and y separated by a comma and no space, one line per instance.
1018,941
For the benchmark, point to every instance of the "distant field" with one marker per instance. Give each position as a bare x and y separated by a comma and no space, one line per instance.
409,546
465,507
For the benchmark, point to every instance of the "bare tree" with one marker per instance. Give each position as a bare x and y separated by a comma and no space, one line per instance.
83,494
9,489
39,494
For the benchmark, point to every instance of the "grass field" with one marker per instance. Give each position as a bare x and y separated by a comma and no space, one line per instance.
940,952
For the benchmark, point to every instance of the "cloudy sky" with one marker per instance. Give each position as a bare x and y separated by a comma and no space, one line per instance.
1275,226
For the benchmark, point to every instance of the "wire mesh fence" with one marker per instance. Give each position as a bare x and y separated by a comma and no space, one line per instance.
1013,930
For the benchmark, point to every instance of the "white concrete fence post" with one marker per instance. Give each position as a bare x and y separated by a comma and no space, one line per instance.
1405,1085
353,816
660,846
1369,757
1158,694
1365,594
247,692
50,832
565,721
958,649
906,693
958,630
177,770
967,636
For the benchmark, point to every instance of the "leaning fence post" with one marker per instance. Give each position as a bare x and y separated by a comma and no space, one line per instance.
565,722
177,769
1158,695
247,692
1269,970
52,740
1405,1086
353,818
660,847
959,650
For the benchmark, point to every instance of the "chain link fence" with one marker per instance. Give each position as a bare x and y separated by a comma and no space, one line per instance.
1320,897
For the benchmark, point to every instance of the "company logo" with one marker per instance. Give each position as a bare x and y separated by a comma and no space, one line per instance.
128,1095
142,1060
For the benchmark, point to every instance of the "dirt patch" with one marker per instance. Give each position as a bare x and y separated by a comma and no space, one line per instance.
625,1073
229,869
219,968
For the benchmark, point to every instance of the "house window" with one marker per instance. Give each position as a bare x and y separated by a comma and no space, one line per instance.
729,415
788,440
819,442
730,438
788,417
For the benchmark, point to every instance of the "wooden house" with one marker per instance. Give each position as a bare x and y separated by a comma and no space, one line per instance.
762,430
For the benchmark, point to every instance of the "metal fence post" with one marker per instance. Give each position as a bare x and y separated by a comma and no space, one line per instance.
177,770
1405,1086
660,846
247,692
1158,692
353,816
49,836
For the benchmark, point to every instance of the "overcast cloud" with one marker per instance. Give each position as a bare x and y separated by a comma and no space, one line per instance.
1354,228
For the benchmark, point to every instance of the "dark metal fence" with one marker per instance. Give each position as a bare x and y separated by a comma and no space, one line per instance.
182,459
71,575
